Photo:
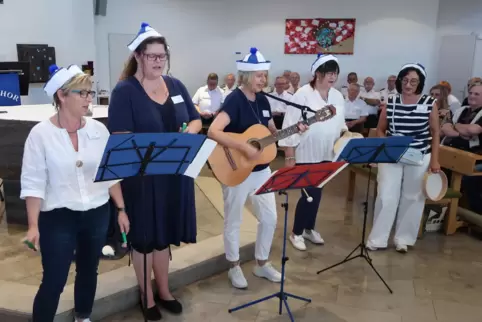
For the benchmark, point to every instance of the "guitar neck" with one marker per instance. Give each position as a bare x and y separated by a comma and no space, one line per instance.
284,133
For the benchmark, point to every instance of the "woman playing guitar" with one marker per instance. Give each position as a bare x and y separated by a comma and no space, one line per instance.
244,107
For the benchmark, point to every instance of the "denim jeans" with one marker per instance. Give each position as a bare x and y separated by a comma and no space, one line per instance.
63,231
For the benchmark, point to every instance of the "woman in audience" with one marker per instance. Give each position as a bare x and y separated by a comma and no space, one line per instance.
165,214
464,131
65,208
400,184
454,103
440,93
244,107
315,145
471,81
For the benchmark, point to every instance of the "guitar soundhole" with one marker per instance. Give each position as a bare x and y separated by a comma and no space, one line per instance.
255,144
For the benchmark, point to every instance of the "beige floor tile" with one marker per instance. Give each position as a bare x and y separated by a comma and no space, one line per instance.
448,311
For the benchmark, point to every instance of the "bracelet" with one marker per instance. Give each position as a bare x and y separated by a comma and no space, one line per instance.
289,158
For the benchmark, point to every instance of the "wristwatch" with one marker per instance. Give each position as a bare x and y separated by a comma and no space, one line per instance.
121,209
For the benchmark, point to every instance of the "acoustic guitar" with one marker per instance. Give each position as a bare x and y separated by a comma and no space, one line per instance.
231,167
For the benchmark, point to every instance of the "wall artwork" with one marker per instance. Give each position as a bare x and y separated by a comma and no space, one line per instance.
313,36
40,58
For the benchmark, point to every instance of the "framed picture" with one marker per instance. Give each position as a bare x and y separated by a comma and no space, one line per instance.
318,35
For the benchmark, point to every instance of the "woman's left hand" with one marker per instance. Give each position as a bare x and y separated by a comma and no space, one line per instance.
302,127
434,166
123,222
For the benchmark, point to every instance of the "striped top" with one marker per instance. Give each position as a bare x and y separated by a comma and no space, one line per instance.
411,120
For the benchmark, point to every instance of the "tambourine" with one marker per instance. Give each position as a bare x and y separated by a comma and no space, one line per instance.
435,185
341,142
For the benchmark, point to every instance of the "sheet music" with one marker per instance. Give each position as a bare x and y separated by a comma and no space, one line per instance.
201,159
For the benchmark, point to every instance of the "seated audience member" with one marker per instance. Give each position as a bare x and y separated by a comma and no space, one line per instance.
287,75
352,78
356,110
454,103
441,93
229,84
278,109
469,84
208,99
464,131
295,82
372,98
390,90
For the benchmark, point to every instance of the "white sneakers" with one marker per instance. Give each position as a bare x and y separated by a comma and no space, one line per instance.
267,271
298,241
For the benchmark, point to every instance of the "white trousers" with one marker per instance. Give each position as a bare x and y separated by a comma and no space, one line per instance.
399,195
264,207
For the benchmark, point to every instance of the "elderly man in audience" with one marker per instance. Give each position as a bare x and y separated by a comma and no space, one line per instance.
356,110
278,109
208,99
295,82
229,84
390,90
454,103
372,98
352,78
464,131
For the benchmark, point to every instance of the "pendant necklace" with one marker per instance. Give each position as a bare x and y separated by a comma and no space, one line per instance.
78,163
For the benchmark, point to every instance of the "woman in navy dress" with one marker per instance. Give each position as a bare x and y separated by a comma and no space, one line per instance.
144,101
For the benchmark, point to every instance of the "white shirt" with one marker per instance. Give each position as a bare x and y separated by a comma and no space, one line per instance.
386,93
207,100
454,103
226,90
355,109
277,106
373,110
50,171
316,144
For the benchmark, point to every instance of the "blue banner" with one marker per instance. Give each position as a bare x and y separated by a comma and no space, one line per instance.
9,90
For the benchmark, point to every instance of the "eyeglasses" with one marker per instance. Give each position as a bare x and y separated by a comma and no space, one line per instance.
413,81
84,93
154,57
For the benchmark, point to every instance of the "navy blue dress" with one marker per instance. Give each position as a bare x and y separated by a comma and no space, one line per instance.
163,210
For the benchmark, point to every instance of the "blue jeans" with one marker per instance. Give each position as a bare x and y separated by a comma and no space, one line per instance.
63,231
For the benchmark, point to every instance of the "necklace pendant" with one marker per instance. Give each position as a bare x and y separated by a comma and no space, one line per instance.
79,164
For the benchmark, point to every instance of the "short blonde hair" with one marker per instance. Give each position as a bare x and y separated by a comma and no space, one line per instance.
246,78
78,81
474,84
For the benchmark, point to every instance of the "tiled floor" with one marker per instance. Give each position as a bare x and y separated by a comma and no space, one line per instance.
18,264
438,280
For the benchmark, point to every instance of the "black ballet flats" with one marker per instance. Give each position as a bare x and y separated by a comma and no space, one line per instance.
172,306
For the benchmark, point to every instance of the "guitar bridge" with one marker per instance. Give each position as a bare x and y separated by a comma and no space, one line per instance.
230,159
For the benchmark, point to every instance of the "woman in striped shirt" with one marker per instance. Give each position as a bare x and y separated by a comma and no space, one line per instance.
400,184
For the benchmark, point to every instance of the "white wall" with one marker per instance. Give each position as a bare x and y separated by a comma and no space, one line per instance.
67,25
205,34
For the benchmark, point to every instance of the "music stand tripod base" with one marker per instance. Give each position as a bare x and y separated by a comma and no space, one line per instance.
369,151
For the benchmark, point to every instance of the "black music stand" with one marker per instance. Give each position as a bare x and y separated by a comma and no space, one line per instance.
146,154
290,178
369,151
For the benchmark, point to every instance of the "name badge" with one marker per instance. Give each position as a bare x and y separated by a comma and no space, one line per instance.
266,113
177,99
421,108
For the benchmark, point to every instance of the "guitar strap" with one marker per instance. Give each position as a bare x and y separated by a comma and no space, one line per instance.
303,108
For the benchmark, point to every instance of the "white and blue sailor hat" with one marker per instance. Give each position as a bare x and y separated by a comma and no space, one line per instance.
253,62
320,60
59,76
145,32
417,66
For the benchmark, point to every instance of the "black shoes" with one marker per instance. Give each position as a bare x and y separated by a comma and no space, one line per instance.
152,313
172,306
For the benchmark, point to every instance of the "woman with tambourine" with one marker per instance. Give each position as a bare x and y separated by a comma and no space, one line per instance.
400,192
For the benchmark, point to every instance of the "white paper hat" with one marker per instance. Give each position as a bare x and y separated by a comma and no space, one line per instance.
417,66
252,62
60,76
320,60
145,32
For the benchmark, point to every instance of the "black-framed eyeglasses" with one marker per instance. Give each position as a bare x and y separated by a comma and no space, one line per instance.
413,81
84,93
154,57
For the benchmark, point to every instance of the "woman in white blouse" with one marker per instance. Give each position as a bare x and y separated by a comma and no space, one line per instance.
316,144
67,211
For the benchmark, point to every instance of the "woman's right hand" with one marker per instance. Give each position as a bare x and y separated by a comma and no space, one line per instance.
251,152
33,236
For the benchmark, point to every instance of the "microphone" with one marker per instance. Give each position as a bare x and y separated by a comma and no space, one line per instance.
308,197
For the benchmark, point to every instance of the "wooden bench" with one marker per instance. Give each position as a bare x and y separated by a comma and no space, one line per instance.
451,197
